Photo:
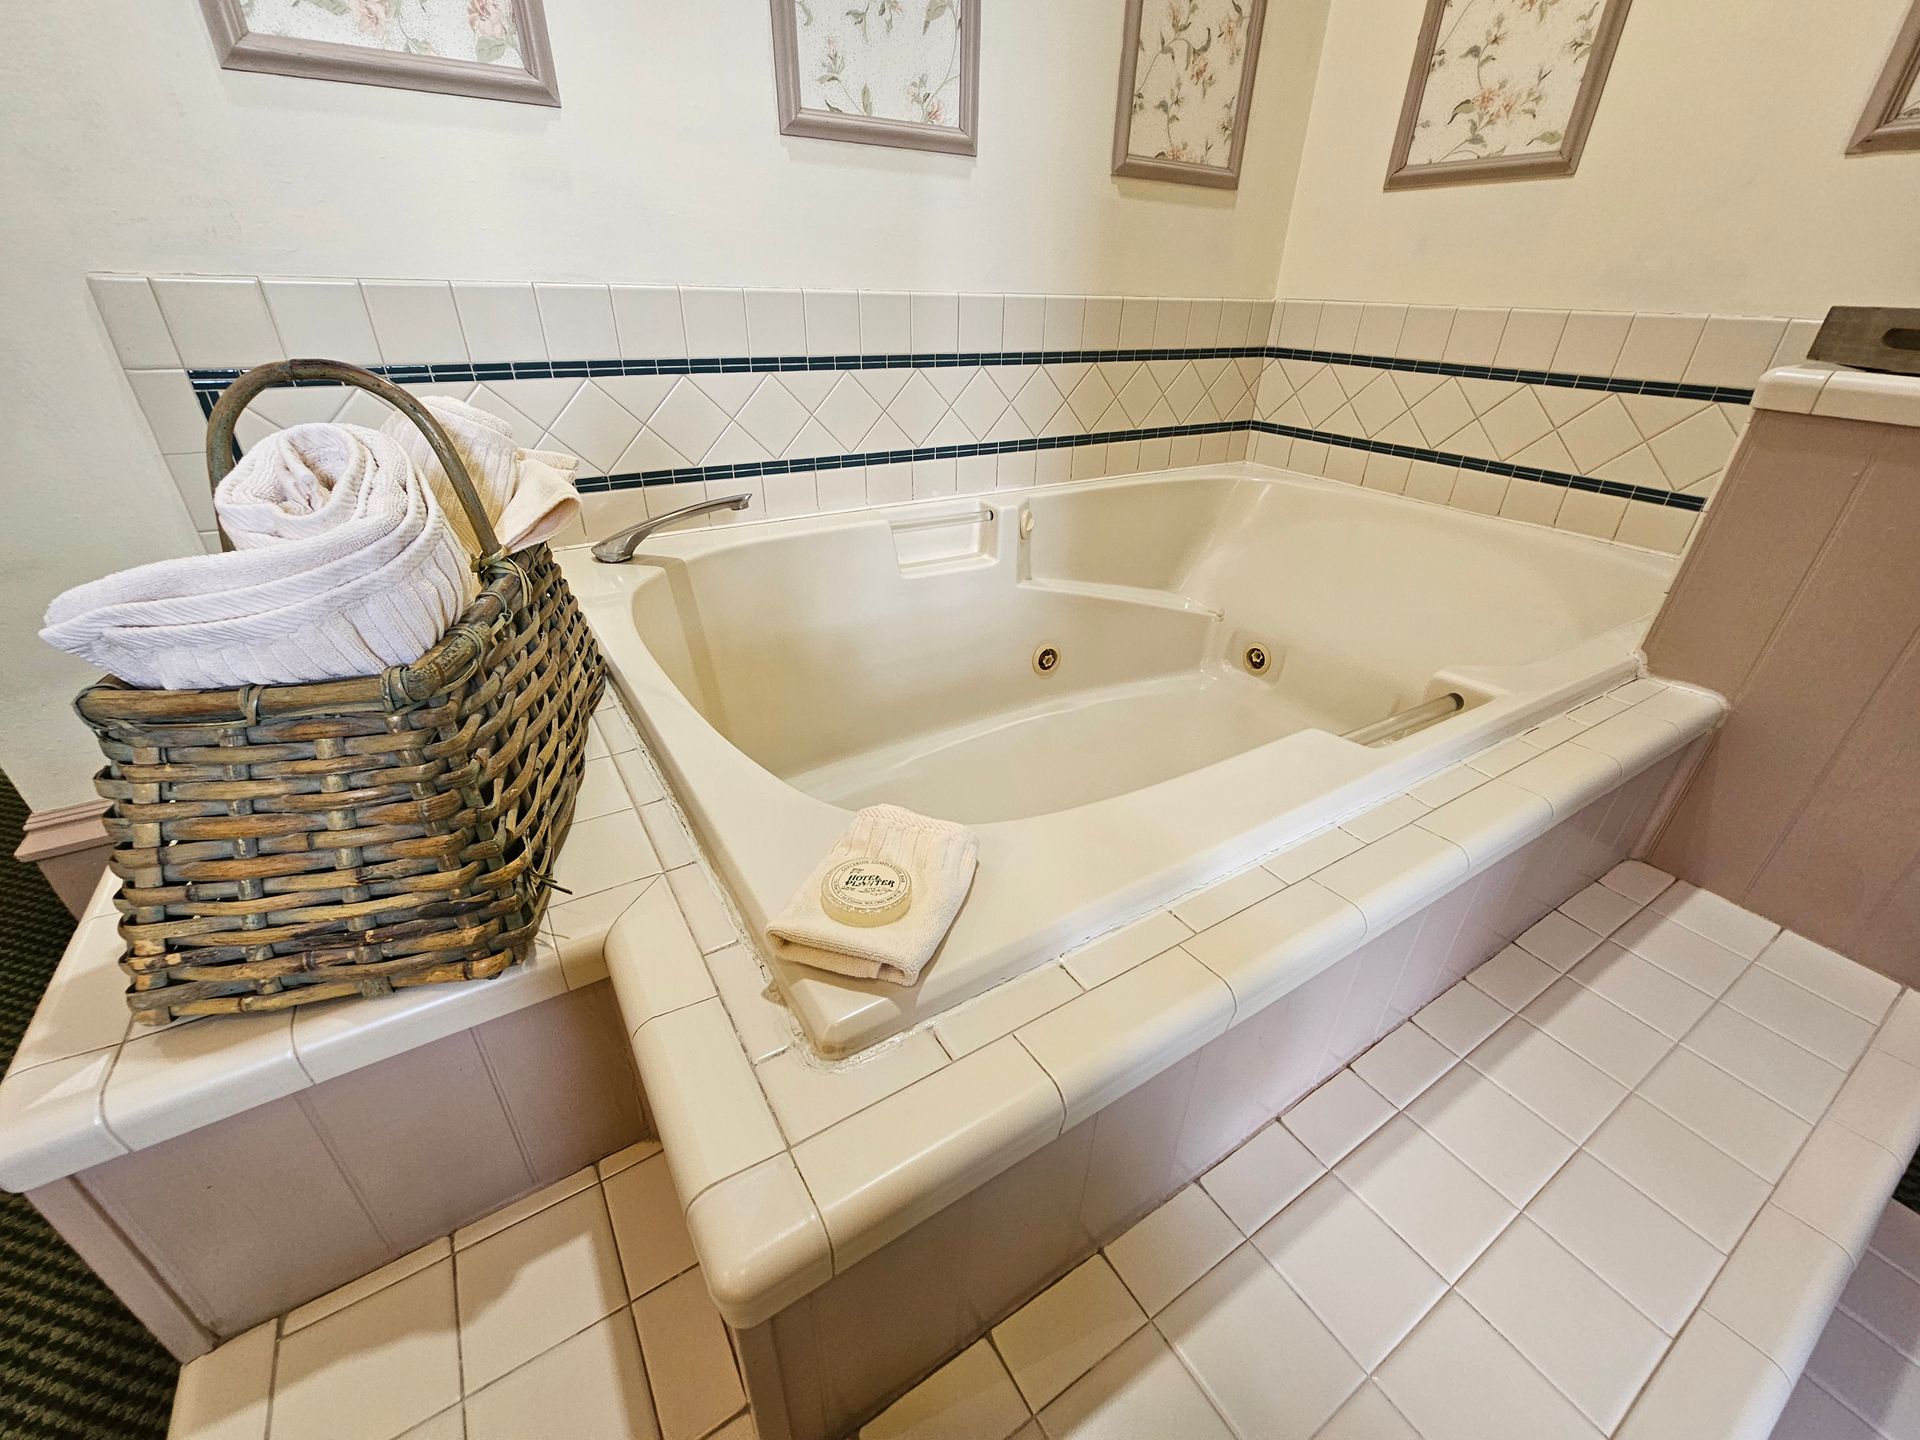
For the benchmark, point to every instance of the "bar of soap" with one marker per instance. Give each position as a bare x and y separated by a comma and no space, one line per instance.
866,892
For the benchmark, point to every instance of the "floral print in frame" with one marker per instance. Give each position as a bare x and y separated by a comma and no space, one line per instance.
1503,89
1891,120
1186,86
880,72
496,49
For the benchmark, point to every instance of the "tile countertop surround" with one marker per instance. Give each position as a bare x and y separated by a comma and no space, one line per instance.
1815,388
793,1170
820,401
1549,1206
86,1084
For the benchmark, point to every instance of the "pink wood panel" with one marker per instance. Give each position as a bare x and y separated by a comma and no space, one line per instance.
1789,481
244,1218
565,1072
72,1212
431,1112
1807,809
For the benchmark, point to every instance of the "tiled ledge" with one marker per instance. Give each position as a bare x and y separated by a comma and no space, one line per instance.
1612,1183
1815,388
87,1085
792,1171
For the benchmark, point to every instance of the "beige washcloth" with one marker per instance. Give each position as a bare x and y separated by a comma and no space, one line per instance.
939,858
528,494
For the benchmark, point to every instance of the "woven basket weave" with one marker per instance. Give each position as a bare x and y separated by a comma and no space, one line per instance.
279,845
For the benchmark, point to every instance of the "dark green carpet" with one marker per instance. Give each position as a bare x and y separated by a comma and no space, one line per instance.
74,1365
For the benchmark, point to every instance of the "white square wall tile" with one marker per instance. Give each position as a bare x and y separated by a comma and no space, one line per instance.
1658,347
217,321
595,1379
134,322
648,322
324,318
415,322
776,322
715,319
502,322
578,321
1598,1031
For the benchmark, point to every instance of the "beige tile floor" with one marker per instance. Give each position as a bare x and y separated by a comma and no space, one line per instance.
578,1313
1498,1222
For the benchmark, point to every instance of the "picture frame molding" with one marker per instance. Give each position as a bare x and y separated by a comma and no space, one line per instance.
1536,166
959,139
1182,172
1879,130
238,48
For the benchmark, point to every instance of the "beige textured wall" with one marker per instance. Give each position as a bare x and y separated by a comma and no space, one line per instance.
1714,177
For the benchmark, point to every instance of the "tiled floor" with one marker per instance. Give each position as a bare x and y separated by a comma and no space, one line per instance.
1498,1222
1558,1202
577,1313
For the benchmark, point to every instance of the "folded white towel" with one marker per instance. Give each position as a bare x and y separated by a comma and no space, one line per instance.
528,494
939,858
343,564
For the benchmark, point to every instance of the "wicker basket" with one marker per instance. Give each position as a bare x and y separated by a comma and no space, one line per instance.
279,845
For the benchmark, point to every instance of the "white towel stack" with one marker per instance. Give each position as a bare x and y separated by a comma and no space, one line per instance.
939,858
348,557
528,494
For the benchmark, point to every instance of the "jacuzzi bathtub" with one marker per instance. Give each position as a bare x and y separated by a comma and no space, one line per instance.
787,673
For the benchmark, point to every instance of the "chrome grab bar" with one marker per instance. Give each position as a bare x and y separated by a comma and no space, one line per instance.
1400,724
616,549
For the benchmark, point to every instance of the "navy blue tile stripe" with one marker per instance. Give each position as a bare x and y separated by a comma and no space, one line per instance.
1651,495
214,381
751,469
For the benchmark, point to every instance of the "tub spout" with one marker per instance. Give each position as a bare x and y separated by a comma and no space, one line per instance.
617,549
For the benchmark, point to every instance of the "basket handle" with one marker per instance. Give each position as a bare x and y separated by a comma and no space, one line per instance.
226,414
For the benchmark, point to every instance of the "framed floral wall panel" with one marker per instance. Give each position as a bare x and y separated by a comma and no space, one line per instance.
1503,89
1892,117
879,72
1186,86
496,49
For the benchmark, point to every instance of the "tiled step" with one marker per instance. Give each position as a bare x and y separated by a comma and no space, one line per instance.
1610,1185
1863,1381
576,1312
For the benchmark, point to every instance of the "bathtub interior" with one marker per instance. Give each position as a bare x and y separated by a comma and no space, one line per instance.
786,673
894,660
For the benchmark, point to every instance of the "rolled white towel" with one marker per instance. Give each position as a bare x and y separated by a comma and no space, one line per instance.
939,858
343,564
528,494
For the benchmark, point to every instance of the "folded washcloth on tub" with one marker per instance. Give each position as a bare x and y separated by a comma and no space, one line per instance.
937,856
343,563
528,494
